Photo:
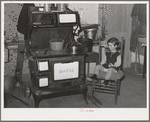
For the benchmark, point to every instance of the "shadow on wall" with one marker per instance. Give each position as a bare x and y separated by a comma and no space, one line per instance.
11,14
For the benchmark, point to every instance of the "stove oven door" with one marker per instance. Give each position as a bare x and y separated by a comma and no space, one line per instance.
58,72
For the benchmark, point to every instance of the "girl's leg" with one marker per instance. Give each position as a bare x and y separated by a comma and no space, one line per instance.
109,73
96,72
98,68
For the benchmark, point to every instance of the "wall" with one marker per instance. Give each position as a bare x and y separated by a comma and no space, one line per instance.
117,18
118,24
11,14
88,12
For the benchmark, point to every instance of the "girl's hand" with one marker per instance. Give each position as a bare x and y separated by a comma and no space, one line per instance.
111,65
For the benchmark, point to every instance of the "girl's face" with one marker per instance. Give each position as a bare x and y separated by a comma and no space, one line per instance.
112,47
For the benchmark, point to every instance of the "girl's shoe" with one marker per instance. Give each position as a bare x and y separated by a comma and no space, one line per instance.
104,83
91,78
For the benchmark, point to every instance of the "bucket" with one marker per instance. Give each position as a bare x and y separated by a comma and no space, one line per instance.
87,44
56,44
90,33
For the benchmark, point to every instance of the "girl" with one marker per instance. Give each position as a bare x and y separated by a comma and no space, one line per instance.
111,62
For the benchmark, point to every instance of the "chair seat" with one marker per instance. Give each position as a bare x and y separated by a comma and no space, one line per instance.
115,76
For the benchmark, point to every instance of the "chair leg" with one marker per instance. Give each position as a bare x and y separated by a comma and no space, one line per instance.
84,89
116,92
92,91
92,95
88,68
119,85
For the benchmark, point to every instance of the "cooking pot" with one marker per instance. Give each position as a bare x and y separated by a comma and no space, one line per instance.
90,33
87,44
75,48
56,44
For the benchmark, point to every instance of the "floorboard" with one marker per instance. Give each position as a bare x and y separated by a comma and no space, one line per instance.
132,95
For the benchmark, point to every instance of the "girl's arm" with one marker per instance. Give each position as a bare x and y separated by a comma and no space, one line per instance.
118,62
103,60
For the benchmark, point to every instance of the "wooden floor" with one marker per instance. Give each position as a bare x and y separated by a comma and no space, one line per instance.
132,95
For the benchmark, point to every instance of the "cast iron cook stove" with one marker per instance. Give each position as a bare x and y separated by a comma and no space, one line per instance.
53,73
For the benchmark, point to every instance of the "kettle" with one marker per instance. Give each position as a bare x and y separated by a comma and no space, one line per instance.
75,47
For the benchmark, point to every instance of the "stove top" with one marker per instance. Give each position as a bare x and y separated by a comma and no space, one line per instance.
49,53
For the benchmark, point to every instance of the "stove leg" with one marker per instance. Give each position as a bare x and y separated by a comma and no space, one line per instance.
36,101
84,92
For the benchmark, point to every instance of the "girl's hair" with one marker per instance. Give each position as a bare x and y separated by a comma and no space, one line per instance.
114,41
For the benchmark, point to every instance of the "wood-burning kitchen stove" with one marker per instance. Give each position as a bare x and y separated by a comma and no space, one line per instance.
54,73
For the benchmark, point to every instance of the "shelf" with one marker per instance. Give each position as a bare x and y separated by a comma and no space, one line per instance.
142,36
15,43
89,26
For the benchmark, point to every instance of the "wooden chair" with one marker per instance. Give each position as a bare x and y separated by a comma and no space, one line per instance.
114,87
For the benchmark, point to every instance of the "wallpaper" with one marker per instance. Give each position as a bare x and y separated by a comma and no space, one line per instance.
11,14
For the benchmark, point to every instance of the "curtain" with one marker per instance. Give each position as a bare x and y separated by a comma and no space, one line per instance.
138,24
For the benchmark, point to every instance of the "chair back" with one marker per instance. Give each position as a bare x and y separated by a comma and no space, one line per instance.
122,44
